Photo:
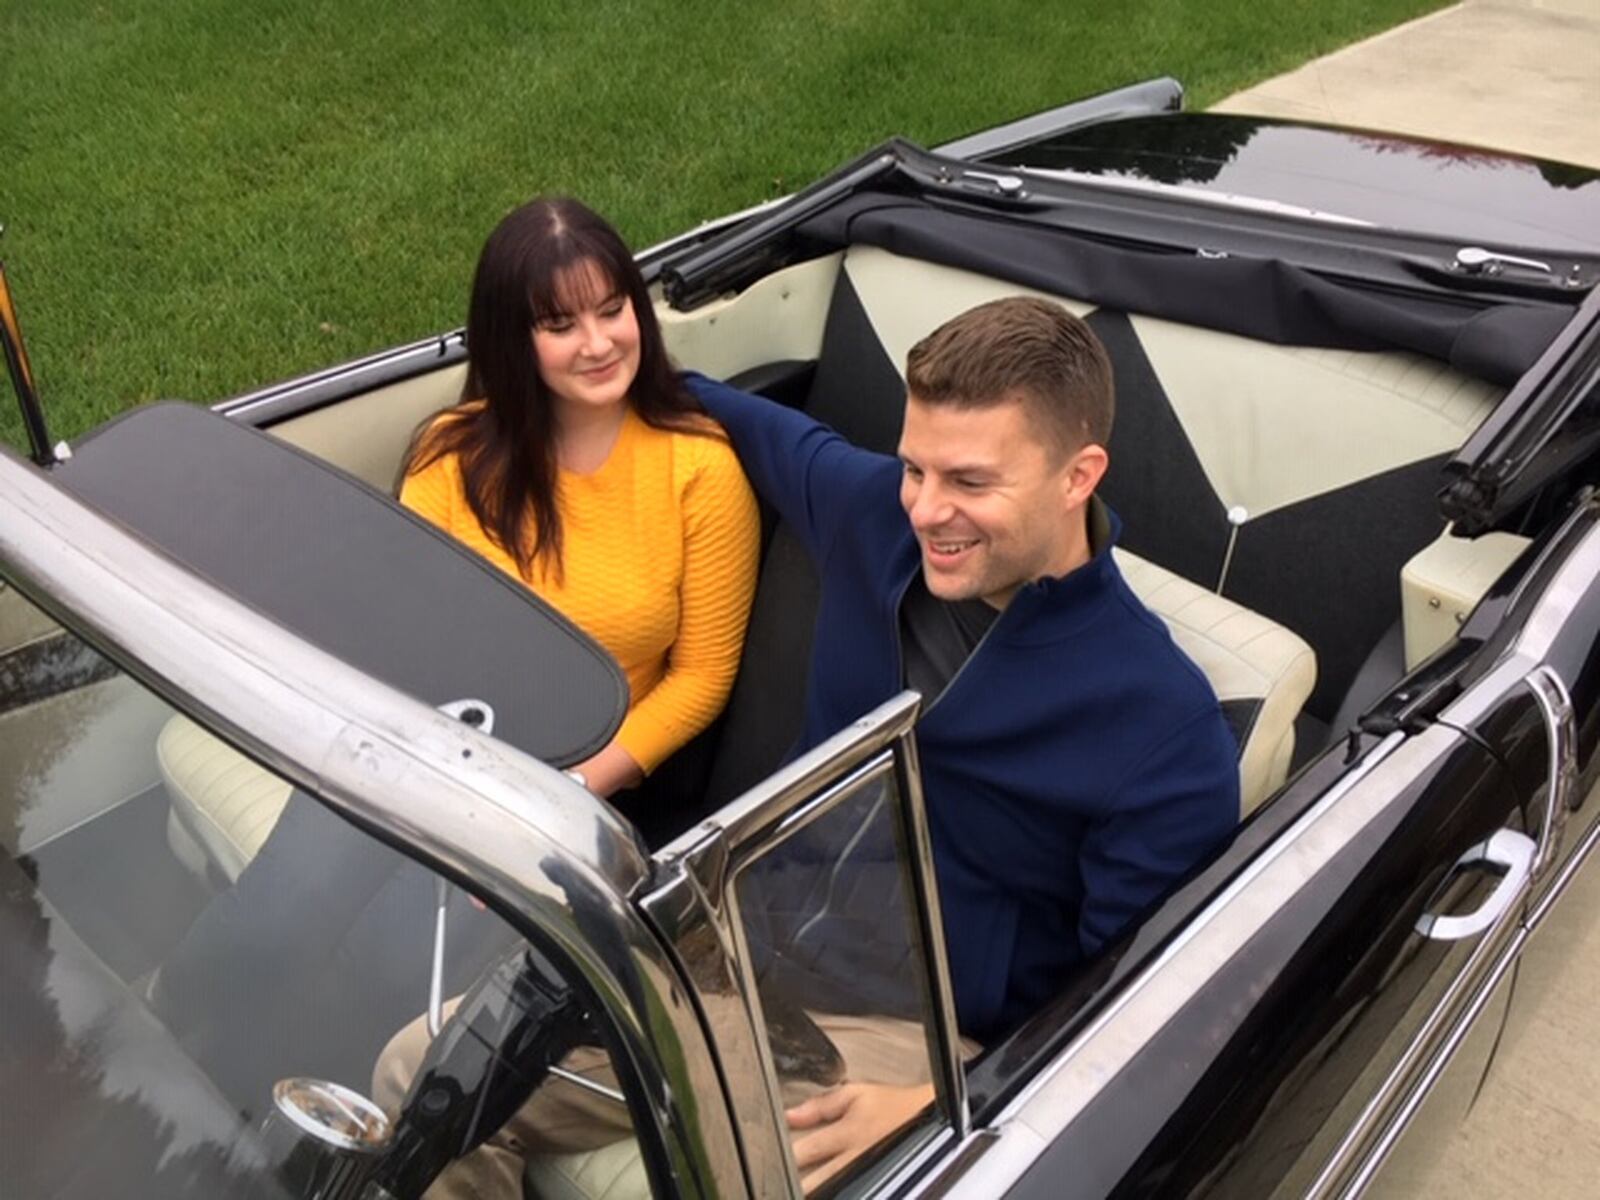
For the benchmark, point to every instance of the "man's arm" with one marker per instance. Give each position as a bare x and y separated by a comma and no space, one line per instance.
796,464
1177,807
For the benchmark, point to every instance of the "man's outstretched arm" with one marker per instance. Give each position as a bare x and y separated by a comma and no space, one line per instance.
805,470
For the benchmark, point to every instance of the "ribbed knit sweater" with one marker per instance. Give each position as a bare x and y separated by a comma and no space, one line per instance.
659,549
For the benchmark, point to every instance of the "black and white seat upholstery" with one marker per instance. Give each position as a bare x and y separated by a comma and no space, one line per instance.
1329,457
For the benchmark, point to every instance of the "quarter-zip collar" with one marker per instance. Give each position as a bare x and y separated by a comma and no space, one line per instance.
1047,610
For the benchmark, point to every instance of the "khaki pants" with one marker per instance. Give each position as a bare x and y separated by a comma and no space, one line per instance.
563,1118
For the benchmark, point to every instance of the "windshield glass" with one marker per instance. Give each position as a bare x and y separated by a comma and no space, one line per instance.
218,984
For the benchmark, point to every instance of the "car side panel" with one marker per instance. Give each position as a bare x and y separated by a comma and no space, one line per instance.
1251,1085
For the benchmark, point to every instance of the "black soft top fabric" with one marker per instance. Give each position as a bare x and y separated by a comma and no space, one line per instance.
1261,298
349,570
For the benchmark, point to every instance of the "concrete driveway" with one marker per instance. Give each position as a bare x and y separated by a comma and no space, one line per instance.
1520,75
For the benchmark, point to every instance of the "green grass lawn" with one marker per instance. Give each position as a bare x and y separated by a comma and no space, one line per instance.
206,195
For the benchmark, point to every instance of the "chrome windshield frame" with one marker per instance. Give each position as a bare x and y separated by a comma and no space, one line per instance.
543,851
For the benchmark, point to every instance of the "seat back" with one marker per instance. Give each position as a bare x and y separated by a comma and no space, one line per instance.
1332,448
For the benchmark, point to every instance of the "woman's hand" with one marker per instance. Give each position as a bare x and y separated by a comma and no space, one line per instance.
843,1124
610,771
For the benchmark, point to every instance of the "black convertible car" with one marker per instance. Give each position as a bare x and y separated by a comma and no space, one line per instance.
265,736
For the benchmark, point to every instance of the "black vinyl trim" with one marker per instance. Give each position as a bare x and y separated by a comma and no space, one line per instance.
1241,716
1251,292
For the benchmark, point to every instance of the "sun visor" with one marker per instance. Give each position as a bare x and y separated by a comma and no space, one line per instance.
350,571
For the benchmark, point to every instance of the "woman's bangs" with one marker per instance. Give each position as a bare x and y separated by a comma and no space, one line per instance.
572,283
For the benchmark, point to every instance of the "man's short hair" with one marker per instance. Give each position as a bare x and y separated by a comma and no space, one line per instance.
1020,347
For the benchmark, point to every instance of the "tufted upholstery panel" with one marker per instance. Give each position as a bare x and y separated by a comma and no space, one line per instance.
1252,663
220,798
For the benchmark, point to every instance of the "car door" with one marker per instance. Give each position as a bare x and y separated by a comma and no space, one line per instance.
1534,708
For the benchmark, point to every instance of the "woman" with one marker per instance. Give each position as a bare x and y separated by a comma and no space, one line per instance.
577,462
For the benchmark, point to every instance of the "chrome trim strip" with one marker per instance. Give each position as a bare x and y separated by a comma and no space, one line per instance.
1555,705
1395,1099
693,907
1052,1101
1563,880
1418,1094
950,1076
477,810
391,366
1234,200
776,1129
771,801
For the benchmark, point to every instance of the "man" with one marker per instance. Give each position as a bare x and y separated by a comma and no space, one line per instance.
1075,763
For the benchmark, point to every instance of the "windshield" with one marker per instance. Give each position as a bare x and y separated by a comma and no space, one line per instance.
203,962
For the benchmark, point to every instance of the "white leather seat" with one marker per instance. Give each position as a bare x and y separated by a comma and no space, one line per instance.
614,1172
1257,667
223,805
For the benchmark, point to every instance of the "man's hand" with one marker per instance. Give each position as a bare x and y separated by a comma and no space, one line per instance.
841,1125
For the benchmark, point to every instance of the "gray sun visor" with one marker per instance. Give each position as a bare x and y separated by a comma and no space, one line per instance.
350,571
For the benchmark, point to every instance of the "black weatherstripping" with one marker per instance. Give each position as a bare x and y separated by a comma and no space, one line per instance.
350,571
1548,425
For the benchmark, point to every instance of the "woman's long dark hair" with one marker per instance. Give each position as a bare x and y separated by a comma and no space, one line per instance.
504,428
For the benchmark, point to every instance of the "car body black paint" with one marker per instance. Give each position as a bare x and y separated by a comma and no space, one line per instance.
1230,1081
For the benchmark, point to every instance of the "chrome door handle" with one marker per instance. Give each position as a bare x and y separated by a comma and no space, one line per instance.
1506,848
1555,705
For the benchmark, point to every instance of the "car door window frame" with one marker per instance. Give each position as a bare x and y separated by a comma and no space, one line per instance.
691,906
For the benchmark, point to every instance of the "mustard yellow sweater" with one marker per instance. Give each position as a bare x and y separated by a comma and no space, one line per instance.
659,554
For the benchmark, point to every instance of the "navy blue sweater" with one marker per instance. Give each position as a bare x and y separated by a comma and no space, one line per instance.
1073,769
